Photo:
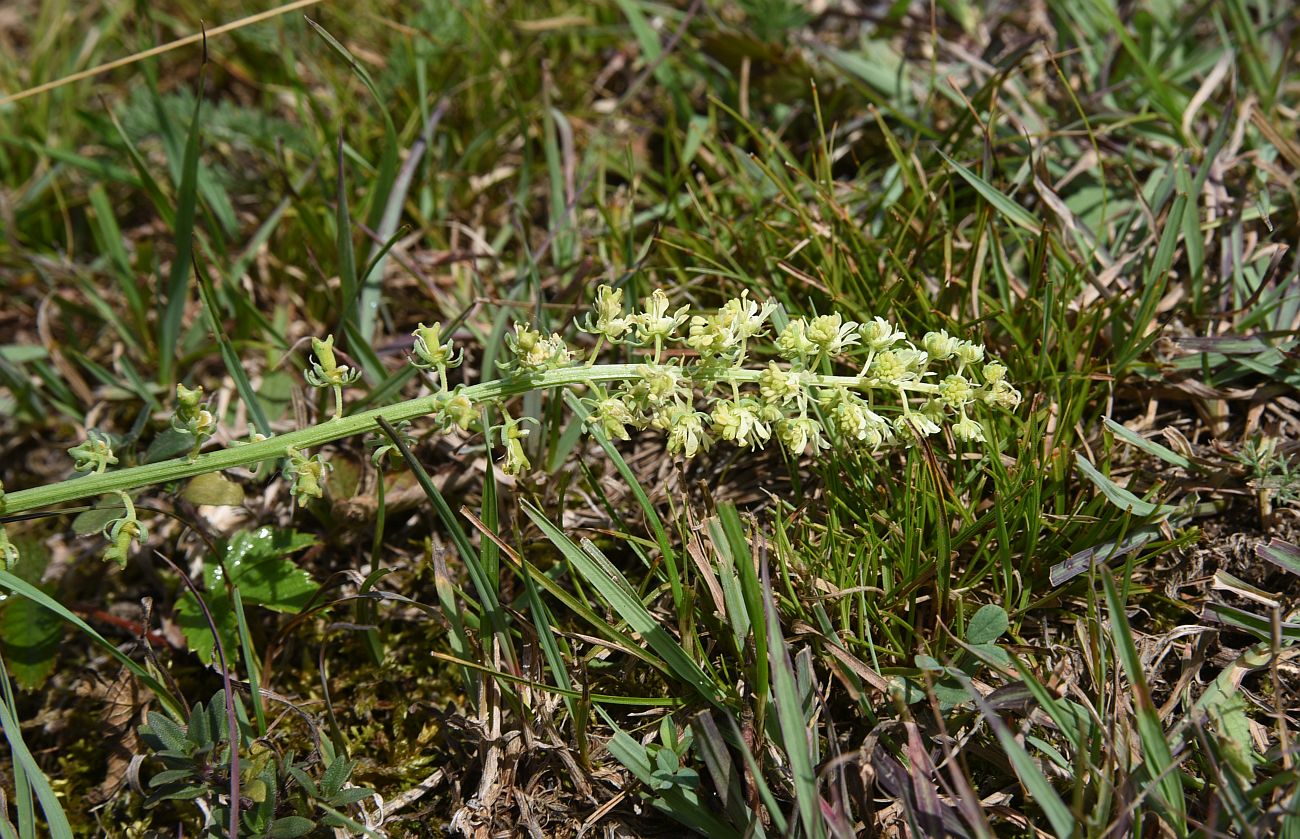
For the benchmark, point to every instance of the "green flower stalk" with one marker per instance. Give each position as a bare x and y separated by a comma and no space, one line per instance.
708,393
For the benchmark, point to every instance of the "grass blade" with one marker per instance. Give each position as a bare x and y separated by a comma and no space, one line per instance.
1040,790
26,589
790,717
55,819
169,325
621,597
1155,747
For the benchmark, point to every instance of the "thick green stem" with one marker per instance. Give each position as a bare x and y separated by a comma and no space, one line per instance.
274,448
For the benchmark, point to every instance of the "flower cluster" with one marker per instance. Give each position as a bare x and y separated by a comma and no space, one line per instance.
432,353
192,416
95,454
904,391
8,551
123,532
307,475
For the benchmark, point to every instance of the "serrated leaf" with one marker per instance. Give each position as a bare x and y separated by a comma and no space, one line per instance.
215,489
987,624
31,636
256,563
198,635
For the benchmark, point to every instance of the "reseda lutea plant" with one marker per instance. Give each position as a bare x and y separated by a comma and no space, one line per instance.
699,380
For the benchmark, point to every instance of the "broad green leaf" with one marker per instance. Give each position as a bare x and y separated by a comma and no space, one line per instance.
256,561
170,443
31,638
97,518
987,624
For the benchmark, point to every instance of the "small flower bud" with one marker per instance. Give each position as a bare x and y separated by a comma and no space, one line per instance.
856,421
612,416
994,371
454,409
955,391
655,323
192,417
800,434
95,454
879,334
687,434
1002,394
534,351
744,318
609,322
431,352
940,345
307,474
915,425
832,334
793,343
741,422
968,430
781,387
970,353
515,461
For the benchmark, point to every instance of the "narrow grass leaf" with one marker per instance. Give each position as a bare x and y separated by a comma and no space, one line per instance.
790,717
176,295
1281,553
55,819
234,365
1004,205
26,589
621,597
1155,746
1040,790
1151,447
1118,495
678,802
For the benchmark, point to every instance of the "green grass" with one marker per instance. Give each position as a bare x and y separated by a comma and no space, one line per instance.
742,644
